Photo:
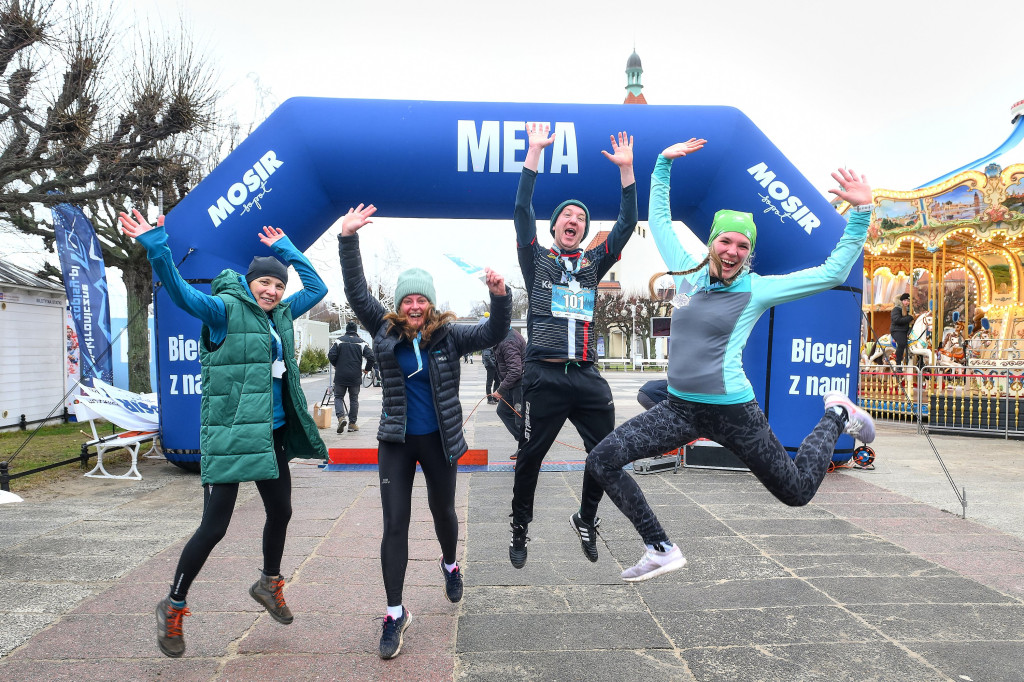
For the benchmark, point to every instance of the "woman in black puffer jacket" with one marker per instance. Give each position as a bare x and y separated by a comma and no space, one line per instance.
418,350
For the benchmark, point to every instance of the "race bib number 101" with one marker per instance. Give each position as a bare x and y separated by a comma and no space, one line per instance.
577,305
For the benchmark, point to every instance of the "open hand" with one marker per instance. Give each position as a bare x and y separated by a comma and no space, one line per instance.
133,228
538,134
355,218
622,151
683,148
853,188
270,235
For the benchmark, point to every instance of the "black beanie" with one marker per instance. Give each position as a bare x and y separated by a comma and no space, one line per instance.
350,328
905,297
266,266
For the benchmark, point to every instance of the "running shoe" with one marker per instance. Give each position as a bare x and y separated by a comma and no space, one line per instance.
452,581
587,533
859,423
269,591
169,635
654,563
391,637
517,547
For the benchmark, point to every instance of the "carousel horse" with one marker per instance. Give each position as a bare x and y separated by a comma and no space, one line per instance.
918,341
953,350
881,351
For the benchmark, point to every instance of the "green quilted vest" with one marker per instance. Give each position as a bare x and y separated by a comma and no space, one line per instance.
237,432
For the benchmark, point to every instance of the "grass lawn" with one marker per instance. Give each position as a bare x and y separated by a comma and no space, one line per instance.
52,444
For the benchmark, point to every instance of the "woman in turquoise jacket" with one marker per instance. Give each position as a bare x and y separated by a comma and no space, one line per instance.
254,418
718,300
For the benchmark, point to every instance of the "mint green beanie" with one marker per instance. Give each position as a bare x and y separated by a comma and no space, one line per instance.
415,281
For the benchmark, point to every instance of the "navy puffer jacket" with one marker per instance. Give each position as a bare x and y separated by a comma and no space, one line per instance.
443,354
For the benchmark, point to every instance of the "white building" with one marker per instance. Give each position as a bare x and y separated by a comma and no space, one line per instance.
32,364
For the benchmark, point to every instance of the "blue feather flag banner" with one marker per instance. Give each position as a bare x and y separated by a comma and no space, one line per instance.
467,267
85,281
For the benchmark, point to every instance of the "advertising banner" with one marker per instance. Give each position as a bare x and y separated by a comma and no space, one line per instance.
130,411
85,280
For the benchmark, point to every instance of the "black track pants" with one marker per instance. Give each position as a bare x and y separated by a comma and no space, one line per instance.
742,429
552,393
397,469
219,504
508,406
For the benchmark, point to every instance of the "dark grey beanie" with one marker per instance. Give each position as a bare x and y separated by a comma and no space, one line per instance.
266,266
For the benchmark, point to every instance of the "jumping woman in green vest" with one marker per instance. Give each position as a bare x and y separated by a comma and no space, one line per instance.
254,415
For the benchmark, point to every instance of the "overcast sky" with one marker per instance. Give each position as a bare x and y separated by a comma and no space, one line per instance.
903,91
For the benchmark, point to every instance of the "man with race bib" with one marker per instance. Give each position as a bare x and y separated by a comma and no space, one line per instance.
560,379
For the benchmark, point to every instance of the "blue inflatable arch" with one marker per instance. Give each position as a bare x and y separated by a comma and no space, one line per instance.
313,158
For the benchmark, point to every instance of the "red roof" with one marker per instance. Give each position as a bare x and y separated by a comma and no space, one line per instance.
598,239
635,99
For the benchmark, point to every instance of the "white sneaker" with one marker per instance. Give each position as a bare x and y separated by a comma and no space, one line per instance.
654,563
859,423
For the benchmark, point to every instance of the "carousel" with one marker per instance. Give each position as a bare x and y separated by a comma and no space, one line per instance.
956,246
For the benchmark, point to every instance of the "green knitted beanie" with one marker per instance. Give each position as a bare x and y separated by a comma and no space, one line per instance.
561,207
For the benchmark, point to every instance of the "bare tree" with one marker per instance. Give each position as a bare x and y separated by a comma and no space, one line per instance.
88,120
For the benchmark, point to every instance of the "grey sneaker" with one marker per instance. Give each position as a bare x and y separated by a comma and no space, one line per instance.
859,423
654,563
341,425
391,637
268,591
169,635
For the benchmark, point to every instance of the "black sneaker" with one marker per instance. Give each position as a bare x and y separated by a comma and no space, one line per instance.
452,582
517,547
587,533
391,637
169,635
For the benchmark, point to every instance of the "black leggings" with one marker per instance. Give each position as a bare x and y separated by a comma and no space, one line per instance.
741,428
396,464
218,505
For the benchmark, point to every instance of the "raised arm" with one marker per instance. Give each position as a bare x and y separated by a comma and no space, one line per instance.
676,254
625,224
313,288
836,268
369,310
208,309
492,331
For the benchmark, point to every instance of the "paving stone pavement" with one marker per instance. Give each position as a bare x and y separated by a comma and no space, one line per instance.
876,579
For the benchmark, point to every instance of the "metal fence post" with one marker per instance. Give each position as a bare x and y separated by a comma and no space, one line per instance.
5,478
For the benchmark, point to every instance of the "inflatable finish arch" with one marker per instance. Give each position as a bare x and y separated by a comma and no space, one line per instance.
313,158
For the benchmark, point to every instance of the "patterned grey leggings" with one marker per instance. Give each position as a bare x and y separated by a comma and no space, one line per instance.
741,428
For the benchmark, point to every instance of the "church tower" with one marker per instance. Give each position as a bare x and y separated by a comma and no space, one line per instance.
634,88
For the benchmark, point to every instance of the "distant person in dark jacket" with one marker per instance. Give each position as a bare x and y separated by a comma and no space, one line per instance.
899,326
347,355
509,357
487,357
418,349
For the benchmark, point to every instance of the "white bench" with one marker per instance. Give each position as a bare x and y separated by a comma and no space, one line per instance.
129,440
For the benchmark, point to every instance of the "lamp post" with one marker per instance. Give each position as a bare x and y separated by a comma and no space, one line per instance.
632,340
